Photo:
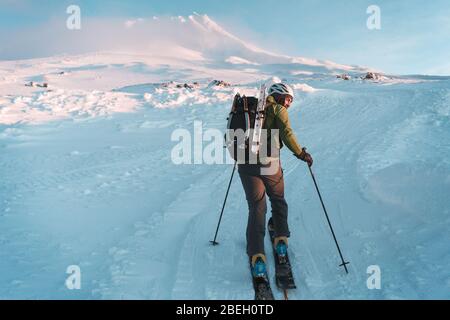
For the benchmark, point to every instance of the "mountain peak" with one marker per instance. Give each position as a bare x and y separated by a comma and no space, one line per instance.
201,34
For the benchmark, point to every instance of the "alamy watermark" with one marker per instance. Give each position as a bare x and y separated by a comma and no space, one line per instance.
374,280
213,147
73,282
374,20
73,22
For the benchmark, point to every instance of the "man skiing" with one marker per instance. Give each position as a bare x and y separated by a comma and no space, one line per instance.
256,184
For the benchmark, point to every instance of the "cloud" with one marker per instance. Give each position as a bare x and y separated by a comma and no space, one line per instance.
53,37
131,23
195,37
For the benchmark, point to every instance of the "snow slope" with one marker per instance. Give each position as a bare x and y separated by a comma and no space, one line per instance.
87,176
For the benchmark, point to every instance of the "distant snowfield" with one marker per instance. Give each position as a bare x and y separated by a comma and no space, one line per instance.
87,177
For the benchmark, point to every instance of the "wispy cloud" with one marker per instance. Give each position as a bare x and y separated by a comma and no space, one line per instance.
187,37
96,34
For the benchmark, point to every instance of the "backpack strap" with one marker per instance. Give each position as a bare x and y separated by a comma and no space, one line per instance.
235,102
245,104
247,118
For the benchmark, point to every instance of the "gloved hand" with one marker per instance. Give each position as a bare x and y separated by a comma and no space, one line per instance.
305,156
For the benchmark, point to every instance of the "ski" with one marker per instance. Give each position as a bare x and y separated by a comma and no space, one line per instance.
259,120
261,285
262,289
283,271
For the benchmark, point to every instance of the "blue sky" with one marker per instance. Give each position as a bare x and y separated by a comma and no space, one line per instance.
414,36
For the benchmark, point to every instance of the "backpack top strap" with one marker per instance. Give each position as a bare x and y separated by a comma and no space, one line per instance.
235,102
245,104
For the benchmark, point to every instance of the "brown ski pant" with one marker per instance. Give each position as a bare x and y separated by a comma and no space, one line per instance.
256,186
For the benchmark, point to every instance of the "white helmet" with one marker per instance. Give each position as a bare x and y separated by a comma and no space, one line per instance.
281,88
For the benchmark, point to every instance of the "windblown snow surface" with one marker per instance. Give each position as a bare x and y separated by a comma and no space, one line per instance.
87,177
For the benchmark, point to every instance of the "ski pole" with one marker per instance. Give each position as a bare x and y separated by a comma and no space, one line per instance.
214,242
344,264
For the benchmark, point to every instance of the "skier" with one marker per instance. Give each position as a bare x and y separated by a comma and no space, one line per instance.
256,184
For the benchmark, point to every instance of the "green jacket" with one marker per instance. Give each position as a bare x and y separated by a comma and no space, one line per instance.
277,118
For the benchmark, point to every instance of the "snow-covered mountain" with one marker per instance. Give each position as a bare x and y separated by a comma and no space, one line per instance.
87,177
198,36
146,52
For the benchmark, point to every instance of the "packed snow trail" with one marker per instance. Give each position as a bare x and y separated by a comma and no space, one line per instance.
103,193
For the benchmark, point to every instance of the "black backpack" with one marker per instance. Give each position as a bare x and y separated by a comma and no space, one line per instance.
242,118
